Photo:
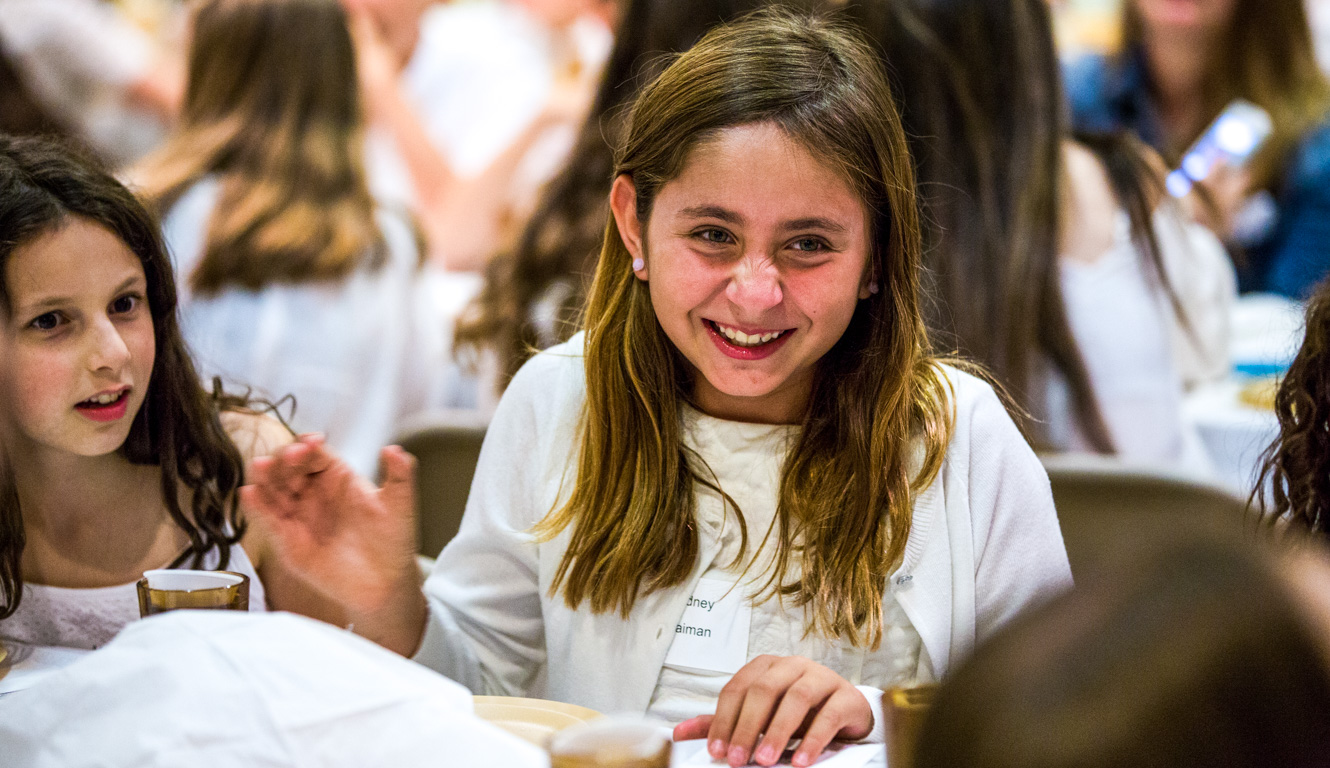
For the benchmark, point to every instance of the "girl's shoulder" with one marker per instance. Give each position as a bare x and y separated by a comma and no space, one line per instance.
553,370
980,416
549,390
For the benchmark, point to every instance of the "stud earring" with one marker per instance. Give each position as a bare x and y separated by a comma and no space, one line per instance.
873,287
639,265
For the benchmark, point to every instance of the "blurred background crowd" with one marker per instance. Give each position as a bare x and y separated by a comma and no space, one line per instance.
380,208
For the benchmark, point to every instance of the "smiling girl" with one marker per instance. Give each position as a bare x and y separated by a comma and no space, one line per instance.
119,460
748,498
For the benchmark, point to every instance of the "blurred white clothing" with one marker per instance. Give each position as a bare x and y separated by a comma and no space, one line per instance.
89,618
223,689
482,71
1202,276
1318,18
357,354
78,57
1136,348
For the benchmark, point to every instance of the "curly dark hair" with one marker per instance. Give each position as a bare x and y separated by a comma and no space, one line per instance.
1294,484
42,186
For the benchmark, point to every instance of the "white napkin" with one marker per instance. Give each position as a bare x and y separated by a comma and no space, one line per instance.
214,689
687,754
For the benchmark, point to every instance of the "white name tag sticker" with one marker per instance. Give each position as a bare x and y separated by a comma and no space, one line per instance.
712,634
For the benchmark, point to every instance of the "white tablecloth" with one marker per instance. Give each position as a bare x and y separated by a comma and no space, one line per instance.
26,665
1267,331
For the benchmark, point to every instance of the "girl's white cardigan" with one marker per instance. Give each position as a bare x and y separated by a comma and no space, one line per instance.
984,543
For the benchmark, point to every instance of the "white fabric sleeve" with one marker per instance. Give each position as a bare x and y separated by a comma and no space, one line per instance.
1019,554
486,627
1202,277
879,733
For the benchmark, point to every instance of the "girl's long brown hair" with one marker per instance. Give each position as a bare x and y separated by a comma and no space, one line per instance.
272,107
880,416
1294,484
42,186
1266,57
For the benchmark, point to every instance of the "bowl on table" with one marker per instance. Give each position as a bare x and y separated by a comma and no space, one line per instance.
534,720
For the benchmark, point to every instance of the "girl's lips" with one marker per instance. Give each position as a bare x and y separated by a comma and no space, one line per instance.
104,413
730,349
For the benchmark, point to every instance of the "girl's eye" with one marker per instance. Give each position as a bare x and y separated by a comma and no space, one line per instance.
125,304
714,236
809,245
47,322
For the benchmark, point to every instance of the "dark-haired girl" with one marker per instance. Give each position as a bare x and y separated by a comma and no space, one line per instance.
1294,490
120,461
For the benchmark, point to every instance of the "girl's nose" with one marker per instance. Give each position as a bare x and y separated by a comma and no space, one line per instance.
107,349
755,285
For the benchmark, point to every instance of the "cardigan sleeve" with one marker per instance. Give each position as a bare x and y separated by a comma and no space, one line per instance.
486,626
1020,558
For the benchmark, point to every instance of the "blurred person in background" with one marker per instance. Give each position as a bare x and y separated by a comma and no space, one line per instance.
1181,63
534,292
293,279
1055,263
1197,655
21,113
92,72
479,104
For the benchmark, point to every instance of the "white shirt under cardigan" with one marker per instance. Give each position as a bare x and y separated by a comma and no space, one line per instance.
984,543
746,461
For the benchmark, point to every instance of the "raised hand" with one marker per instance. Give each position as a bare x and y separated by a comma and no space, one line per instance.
347,539
778,698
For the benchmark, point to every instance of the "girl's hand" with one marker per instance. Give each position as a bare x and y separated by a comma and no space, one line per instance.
777,698
347,539
1220,198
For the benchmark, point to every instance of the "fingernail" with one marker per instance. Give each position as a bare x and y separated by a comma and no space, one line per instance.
766,754
716,748
800,759
738,756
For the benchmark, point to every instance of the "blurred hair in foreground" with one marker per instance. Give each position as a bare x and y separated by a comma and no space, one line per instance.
1198,654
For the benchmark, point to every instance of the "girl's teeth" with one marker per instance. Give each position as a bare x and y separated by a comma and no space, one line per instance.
745,340
104,399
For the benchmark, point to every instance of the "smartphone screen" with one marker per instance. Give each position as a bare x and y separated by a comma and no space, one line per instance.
1231,139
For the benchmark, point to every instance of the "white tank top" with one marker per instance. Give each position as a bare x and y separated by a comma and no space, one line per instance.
89,618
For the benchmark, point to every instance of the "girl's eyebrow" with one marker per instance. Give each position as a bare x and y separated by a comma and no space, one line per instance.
730,217
815,222
56,301
712,212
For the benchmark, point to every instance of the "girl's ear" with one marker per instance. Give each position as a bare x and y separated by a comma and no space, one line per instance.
623,203
868,286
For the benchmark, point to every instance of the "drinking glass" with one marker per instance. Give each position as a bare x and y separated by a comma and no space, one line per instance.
169,590
611,742
906,709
